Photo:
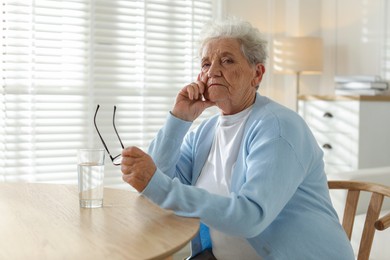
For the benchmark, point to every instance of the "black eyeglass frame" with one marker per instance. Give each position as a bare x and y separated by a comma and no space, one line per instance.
116,160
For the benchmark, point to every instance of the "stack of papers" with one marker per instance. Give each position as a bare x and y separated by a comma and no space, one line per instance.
360,85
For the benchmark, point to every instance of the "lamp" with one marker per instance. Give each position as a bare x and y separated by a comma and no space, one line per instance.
298,55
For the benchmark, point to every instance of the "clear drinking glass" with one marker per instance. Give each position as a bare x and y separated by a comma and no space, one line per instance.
91,177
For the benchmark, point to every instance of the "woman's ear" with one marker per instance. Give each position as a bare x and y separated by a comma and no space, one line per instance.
259,72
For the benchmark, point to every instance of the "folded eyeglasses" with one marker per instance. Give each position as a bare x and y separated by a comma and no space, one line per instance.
116,160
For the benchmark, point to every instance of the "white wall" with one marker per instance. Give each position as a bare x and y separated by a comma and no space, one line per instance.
361,34
356,37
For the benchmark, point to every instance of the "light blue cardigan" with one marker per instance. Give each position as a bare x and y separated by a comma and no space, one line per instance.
279,198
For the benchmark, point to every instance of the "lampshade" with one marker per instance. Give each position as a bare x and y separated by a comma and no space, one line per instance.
301,55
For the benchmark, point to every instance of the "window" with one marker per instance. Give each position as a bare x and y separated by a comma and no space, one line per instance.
59,59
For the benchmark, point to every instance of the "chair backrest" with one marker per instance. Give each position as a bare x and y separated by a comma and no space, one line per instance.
372,221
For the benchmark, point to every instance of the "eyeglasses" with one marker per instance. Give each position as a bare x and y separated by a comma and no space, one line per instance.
116,160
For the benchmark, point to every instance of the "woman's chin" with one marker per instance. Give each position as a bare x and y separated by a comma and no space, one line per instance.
214,97
211,99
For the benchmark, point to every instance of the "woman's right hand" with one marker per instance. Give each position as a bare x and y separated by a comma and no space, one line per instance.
190,102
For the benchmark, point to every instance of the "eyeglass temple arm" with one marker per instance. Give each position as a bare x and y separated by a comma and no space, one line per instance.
97,130
113,123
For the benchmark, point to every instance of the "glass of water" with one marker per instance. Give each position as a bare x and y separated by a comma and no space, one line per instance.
91,177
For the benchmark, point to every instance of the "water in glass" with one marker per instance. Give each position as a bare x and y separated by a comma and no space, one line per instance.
91,176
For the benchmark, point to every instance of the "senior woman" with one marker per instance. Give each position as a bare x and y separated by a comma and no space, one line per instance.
253,174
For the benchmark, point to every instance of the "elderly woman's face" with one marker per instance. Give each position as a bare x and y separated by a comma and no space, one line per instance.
231,80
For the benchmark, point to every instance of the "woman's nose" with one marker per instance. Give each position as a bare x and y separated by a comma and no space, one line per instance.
214,70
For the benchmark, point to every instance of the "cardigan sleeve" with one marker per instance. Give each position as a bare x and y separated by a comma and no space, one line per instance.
166,149
271,174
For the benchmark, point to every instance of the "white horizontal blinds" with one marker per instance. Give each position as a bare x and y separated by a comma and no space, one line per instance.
2,104
62,58
168,49
117,74
143,54
44,88
172,27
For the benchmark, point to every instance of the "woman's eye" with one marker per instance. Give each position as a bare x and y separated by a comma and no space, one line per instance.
227,61
205,65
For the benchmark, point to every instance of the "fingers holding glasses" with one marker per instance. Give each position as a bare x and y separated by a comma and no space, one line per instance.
137,168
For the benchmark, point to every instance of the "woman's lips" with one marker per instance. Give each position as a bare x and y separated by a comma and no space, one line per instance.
214,85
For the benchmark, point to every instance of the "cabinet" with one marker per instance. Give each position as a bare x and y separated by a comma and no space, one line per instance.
353,131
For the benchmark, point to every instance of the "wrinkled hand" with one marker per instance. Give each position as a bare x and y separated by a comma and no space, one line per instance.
190,102
137,167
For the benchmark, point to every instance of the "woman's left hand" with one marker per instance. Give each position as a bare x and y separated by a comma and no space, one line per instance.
137,167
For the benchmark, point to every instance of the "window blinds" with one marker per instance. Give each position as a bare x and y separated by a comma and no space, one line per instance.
59,59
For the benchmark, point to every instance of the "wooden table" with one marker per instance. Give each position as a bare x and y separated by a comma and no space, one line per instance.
44,221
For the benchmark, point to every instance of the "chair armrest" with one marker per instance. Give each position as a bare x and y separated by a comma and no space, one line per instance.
377,175
383,222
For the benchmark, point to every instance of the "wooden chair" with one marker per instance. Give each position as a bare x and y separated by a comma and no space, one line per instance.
372,221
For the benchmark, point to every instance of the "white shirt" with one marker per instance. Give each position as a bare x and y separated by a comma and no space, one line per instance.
216,177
